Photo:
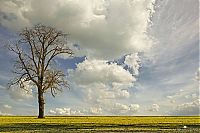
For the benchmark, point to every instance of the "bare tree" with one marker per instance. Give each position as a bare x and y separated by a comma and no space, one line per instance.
36,50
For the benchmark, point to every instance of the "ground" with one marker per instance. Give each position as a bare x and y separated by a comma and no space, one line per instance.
99,124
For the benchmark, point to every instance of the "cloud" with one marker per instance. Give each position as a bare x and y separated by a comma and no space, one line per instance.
133,62
122,94
189,92
171,98
2,87
104,29
4,114
98,75
99,71
18,93
76,112
7,106
194,95
119,108
124,109
102,83
11,14
95,110
134,108
189,108
197,77
154,108
112,109
100,80
60,111
191,96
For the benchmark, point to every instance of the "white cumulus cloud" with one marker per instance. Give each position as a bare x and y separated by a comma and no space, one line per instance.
95,110
124,109
133,62
99,71
134,107
104,29
119,108
7,106
60,111
189,108
154,108
101,80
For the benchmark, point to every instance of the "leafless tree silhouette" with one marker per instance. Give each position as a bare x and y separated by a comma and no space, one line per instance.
36,50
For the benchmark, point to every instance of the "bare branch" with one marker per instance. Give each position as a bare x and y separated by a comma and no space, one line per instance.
36,50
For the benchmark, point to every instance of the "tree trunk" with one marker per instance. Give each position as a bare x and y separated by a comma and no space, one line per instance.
41,103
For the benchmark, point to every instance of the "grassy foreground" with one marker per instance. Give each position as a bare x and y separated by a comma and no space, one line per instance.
77,124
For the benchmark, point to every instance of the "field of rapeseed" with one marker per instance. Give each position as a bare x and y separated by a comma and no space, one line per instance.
78,124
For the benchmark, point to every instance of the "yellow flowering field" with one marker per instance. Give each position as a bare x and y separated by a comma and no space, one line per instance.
88,124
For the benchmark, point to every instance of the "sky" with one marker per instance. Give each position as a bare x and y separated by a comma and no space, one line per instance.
132,57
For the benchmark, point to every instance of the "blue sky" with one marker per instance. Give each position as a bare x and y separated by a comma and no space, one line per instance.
131,57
